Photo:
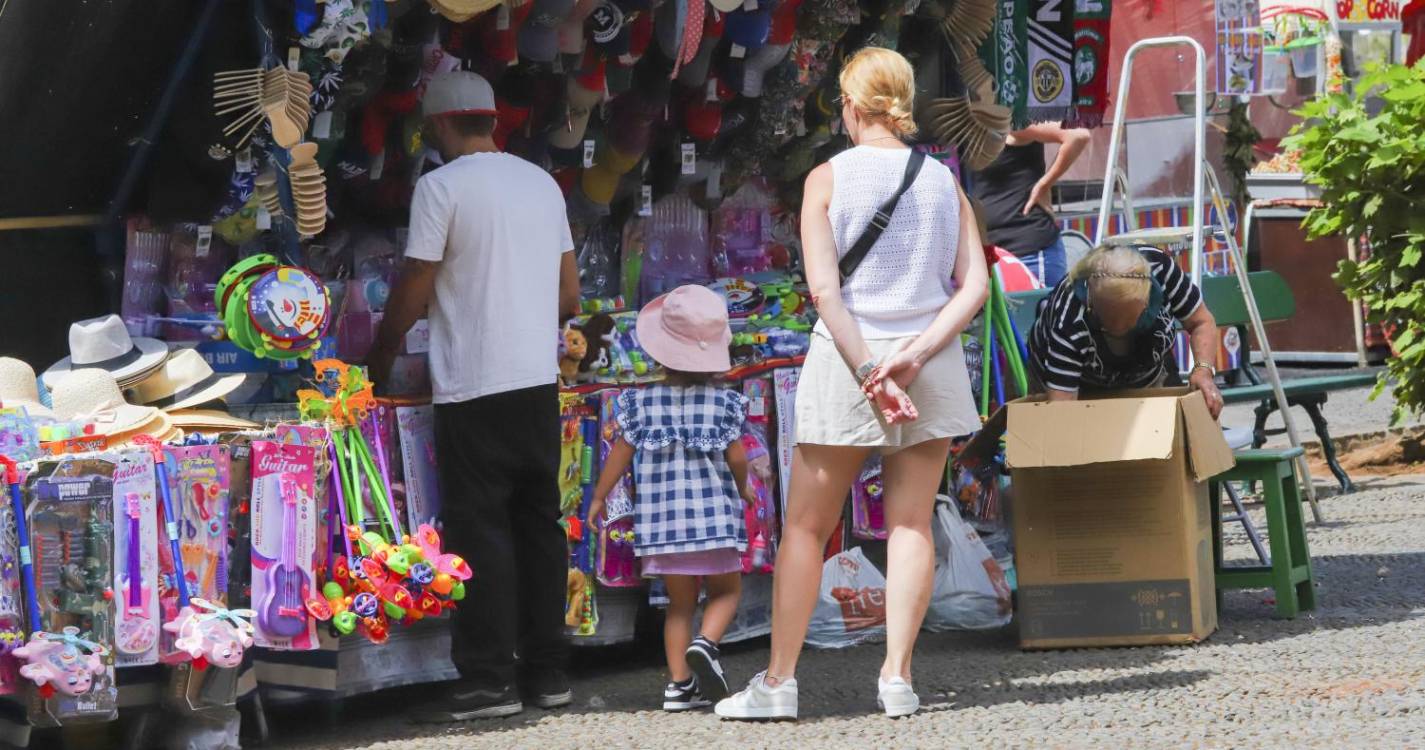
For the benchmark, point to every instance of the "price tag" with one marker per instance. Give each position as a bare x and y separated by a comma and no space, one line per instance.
715,181
645,206
690,158
294,59
588,153
757,407
264,219
378,165
737,52
502,17
712,89
205,241
243,161
322,125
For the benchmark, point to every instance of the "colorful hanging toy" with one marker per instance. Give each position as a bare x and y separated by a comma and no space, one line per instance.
61,662
384,576
211,633
274,311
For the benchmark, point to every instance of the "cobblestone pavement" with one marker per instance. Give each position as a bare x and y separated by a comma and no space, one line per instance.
1351,674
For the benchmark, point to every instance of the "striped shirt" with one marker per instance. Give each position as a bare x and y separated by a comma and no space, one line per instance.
1064,353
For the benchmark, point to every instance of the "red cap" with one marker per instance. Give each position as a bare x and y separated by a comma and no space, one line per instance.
784,22
592,75
715,25
511,118
702,119
641,35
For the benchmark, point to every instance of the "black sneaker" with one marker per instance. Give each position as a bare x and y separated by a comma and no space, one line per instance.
702,657
683,696
468,703
547,688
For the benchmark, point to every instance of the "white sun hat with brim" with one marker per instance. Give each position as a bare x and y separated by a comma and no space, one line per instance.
93,396
185,380
104,344
18,387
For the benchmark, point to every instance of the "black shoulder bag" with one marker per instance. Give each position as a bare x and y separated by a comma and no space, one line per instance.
881,220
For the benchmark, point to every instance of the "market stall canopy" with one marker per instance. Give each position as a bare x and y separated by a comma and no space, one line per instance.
77,82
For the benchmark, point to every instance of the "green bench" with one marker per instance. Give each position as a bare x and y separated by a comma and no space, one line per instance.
1275,301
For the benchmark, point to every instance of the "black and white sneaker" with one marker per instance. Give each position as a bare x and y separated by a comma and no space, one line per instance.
683,696
467,703
702,658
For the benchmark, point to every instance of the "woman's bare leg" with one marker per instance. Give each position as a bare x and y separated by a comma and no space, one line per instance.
910,478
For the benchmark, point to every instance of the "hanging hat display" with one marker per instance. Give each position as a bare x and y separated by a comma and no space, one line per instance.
185,380
104,343
20,388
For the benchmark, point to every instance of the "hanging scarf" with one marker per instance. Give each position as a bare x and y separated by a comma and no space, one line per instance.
1051,55
1091,50
1005,54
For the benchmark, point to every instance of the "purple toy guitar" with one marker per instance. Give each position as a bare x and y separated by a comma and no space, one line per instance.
283,613
137,632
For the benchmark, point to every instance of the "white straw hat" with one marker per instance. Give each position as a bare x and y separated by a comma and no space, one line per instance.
18,388
94,396
104,344
184,380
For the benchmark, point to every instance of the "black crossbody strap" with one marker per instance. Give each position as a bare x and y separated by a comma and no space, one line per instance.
881,220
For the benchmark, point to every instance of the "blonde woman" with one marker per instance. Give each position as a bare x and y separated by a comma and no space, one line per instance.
885,373
1109,325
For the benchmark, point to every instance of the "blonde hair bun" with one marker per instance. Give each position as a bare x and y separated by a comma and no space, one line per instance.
881,84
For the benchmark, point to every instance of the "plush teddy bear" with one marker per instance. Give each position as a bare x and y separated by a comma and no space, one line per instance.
575,348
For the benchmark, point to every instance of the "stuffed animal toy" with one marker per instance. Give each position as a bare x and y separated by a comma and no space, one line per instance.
574,612
575,349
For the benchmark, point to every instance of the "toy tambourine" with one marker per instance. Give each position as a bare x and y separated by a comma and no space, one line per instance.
288,306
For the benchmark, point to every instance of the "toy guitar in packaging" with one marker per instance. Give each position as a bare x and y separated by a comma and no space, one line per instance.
784,383
416,426
136,561
617,563
761,517
284,540
69,656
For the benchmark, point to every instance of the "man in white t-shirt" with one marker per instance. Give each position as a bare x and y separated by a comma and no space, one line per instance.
490,254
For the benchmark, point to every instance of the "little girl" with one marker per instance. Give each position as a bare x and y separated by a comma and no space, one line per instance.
690,480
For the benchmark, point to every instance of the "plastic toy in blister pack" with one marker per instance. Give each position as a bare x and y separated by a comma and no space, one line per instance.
868,516
617,563
761,517
17,575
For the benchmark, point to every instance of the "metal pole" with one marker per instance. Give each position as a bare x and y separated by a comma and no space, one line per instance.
1240,264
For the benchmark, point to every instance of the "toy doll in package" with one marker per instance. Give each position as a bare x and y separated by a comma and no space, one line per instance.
70,660
868,515
199,476
761,517
284,544
617,566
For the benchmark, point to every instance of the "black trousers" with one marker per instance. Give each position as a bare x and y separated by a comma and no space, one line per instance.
499,481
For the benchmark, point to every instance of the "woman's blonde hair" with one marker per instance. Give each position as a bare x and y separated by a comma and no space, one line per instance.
1119,274
880,83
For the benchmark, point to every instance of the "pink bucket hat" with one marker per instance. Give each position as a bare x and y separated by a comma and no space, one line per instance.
686,329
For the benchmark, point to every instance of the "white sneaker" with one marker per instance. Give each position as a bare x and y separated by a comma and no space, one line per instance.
761,701
897,698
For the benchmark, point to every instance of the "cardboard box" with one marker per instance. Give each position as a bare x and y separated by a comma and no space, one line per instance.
1113,541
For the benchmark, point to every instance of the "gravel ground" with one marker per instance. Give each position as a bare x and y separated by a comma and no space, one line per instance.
1350,674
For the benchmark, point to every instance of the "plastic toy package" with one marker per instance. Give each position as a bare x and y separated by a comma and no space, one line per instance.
578,430
868,514
200,479
12,604
761,518
416,425
784,386
71,659
284,533
617,563
136,546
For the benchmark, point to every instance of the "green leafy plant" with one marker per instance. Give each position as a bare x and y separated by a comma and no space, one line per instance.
1369,160
1237,151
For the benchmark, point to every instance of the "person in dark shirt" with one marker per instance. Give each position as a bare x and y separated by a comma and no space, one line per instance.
1110,326
1016,189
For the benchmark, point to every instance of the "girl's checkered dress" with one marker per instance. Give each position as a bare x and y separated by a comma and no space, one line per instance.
685,497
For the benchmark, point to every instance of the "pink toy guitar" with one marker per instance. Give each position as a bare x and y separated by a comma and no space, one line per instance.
283,613
137,633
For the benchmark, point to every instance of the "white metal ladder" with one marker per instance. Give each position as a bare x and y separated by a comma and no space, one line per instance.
1204,181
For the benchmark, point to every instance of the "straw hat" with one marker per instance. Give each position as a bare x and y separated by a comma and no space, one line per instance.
210,420
93,396
461,11
104,344
18,388
184,380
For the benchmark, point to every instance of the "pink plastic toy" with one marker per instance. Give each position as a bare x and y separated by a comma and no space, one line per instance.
212,634
61,662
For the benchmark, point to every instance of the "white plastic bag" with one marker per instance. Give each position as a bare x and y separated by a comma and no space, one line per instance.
970,592
852,605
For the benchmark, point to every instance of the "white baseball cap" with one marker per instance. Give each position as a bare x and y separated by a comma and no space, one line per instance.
458,92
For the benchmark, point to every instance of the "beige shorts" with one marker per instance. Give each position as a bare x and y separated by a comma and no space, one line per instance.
831,410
